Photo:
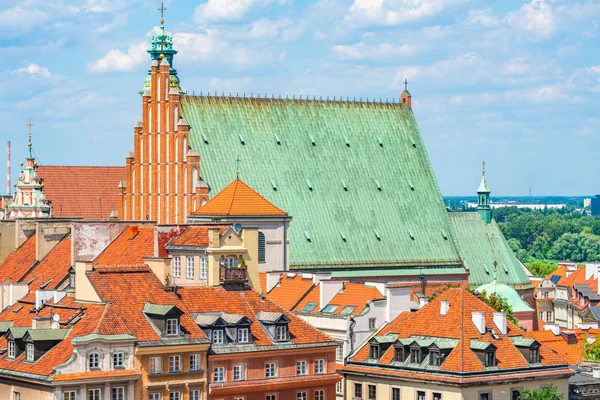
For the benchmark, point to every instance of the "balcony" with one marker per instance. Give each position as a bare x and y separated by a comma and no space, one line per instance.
233,275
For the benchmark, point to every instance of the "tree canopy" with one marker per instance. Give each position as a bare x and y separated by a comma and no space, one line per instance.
545,393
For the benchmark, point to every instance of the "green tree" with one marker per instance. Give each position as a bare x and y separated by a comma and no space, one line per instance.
515,245
541,268
545,393
578,247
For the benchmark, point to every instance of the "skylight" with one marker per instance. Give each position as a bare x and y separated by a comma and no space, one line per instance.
309,307
330,308
347,310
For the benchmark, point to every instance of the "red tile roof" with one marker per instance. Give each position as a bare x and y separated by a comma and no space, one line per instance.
352,295
457,324
290,290
129,248
196,236
239,199
78,191
54,268
247,302
573,353
18,262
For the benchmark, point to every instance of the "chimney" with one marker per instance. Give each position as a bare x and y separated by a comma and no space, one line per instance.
569,336
552,327
478,318
133,231
272,280
500,321
328,290
41,323
444,307
423,301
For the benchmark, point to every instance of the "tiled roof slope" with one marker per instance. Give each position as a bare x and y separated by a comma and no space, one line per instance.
75,190
457,324
573,353
195,236
366,176
239,199
53,269
247,302
352,295
290,290
19,261
129,291
480,245
129,248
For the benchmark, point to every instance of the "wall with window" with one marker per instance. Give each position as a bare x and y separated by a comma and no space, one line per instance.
189,268
104,356
27,391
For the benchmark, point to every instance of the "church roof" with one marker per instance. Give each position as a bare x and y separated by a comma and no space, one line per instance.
480,245
508,292
354,175
239,199
82,191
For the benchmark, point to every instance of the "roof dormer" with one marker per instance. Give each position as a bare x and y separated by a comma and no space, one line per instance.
223,328
166,319
485,351
529,348
39,341
276,325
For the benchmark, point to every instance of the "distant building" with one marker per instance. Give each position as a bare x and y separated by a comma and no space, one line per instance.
533,206
587,203
595,204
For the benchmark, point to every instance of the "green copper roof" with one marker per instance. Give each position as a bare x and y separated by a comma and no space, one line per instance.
480,245
95,336
46,334
355,176
483,187
377,272
508,292
158,309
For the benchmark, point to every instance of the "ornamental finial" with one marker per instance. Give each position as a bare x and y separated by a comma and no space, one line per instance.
483,169
237,167
29,125
162,10
405,84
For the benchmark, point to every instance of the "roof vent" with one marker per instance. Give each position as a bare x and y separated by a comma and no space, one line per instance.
411,235
347,142
307,237
204,139
377,236
413,142
345,187
277,139
312,141
444,234
242,141
444,307
504,268
380,142
487,271
273,185
411,186
378,186
309,185
343,237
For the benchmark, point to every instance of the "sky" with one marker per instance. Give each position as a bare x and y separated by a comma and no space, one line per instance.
514,83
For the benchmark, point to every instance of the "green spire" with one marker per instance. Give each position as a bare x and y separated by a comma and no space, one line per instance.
483,198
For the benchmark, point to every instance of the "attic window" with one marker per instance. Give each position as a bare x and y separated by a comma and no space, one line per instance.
398,354
172,328
309,307
330,308
435,358
12,349
490,358
534,356
374,352
30,352
281,333
415,356
218,336
347,310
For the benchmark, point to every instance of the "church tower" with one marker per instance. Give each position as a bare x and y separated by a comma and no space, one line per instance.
29,200
163,173
483,199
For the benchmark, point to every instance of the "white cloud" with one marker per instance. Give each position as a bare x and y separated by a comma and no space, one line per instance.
265,28
516,66
22,19
117,61
33,70
484,18
225,10
469,67
361,51
395,12
536,18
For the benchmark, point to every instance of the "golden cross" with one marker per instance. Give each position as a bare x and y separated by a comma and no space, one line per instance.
237,166
29,125
483,170
405,84
162,10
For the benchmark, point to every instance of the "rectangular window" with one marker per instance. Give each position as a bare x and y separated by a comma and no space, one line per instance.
420,395
30,352
175,396
261,247
118,359
515,394
217,336
194,362
372,390
330,308
301,367
155,396
437,396
435,359
12,350
549,316
358,391
374,352
302,396
194,394
16,395
545,294
415,356
271,370
94,394
155,365
320,366
239,373
534,356
118,393
281,333
189,268
490,359
372,323
395,393
243,335
219,374
485,395
542,315
175,363
309,307
94,361
319,395
177,267
339,354
339,388
398,354
203,267
271,397
172,327
70,395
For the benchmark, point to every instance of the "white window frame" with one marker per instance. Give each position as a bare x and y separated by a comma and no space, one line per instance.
155,365
203,268
301,367
339,387
118,359
244,335
189,267
339,352
195,363
12,349
30,350
172,327
94,394
195,394
155,396
219,374
69,395
303,395
177,267
281,333
118,393
218,336
271,397
175,395
320,366
94,361
320,394
239,372
270,370
174,363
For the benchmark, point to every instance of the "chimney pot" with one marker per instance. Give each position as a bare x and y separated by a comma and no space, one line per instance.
478,318
500,321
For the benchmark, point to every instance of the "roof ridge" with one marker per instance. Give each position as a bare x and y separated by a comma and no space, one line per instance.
233,195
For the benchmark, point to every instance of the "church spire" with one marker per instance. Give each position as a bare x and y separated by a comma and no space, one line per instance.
406,98
29,125
483,198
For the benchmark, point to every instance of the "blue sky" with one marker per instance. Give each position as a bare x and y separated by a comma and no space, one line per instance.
516,83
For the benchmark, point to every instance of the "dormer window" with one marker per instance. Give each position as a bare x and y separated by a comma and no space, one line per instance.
534,355
398,354
12,349
218,336
94,361
374,352
243,335
490,358
72,280
30,352
172,327
281,333
415,356
276,325
435,358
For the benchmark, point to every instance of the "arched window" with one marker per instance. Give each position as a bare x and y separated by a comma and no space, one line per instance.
94,360
203,202
194,179
176,149
168,119
141,149
150,119
184,148
261,247
175,118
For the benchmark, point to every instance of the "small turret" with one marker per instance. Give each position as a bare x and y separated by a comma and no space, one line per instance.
483,198
406,97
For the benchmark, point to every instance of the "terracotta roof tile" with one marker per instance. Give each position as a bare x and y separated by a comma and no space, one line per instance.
129,248
247,302
196,236
75,191
238,199
18,262
352,295
54,268
290,290
573,353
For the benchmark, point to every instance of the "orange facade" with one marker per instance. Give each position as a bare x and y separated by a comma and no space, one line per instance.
162,172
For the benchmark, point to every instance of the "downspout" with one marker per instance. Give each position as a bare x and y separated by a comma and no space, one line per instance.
351,333
285,260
